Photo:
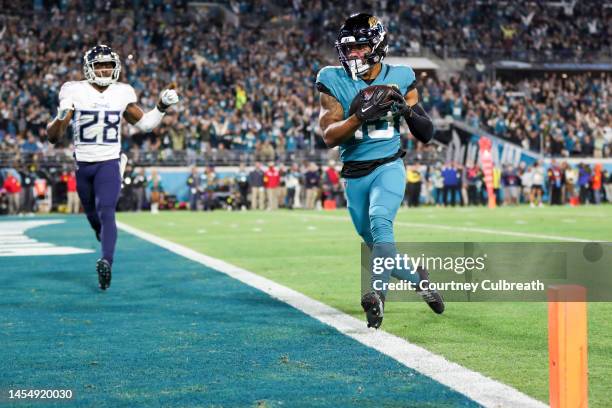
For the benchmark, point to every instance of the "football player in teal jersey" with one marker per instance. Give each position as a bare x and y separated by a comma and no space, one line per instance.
362,104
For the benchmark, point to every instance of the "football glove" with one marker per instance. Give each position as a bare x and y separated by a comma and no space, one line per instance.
65,106
166,98
374,102
400,107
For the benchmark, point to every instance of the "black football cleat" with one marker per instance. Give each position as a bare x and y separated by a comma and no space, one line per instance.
104,273
373,305
433,299
430,296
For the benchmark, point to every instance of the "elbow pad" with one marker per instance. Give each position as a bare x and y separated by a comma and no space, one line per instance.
149,120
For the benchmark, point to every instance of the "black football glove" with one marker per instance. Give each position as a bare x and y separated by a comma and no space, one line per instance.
400,107
373,102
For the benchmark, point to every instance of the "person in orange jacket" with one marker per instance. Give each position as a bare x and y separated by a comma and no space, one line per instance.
597,183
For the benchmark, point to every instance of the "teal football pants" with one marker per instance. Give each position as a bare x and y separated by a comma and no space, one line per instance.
373,201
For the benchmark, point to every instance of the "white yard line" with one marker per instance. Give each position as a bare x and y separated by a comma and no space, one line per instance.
475,386
457,228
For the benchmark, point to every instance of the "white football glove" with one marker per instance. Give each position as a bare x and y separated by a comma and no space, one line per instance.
166,98
65,106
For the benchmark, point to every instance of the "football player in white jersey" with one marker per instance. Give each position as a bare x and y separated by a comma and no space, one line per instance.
96,107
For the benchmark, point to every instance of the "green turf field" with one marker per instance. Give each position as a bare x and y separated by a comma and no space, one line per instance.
318,254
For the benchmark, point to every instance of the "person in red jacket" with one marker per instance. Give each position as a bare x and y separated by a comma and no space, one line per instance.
272,183
331,183
73,197
13,189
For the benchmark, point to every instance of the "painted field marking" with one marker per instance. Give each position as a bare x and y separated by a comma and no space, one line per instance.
462,229
479,388
15,242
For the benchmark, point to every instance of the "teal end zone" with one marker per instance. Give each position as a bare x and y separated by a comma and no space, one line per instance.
171,332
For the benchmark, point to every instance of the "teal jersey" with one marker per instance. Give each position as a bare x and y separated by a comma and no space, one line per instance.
378,139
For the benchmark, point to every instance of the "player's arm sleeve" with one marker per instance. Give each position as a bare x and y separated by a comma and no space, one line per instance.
420,124
149,120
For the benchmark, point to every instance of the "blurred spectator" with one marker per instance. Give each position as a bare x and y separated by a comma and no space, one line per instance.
73,204
27,184
292,181
12,186
451,183
256,183
413,185
511,185
194,184
139,181
526,183
462,187
438,185
473,179
556,181
331,184
242,182
312,179
537,185
156,190
597,182
584,183
607,177
272,184
571,178
496,185
281,194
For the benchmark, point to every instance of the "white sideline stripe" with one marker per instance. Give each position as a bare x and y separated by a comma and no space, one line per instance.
475,386
464,229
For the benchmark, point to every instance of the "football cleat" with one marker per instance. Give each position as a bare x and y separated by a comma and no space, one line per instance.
430,296
373,305
433,299
104,273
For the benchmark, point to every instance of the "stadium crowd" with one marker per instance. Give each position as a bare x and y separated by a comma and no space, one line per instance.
566,116
525,30
248,92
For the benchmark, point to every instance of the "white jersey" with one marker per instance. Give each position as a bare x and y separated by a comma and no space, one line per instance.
96,121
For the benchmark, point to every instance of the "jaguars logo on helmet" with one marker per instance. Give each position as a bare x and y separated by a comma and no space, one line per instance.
361,29
96,55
